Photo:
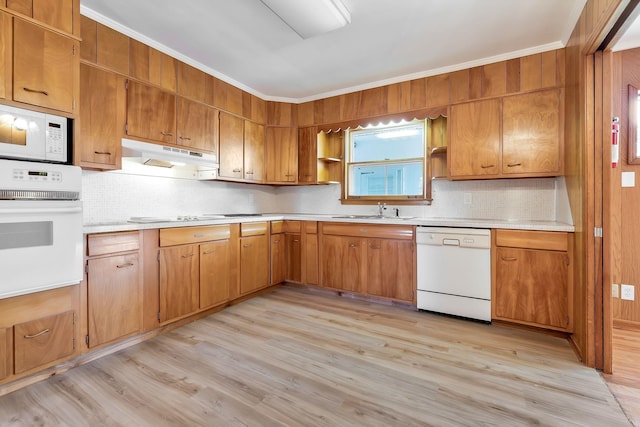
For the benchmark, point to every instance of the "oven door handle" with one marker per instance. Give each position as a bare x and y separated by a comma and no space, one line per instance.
41,210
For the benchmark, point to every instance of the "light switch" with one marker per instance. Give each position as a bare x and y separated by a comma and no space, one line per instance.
628,179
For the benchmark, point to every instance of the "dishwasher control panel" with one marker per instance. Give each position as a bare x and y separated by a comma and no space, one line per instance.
445,236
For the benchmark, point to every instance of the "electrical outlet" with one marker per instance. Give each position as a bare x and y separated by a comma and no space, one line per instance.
627,292
615,291
468,198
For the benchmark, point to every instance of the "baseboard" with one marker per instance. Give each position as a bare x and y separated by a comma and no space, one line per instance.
626,324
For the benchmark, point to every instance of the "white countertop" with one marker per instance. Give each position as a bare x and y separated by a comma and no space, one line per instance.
420,221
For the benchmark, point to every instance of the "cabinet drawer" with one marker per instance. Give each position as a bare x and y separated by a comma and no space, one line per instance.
378,231
292,226
100,244
277,227
253,229
41,341
186,235
311,227
550,240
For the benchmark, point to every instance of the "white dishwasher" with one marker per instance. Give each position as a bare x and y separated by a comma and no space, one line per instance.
454,271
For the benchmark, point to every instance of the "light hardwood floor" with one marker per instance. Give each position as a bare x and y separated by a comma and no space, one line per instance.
625,380
305,358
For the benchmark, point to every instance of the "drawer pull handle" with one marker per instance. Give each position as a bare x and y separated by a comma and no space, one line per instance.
43,92
187,256
374,247
106,153
45,331
296,240
511,165
364,230
248,173
129,264
208,252
487,166
237,170
246,245
353,245
199,235
166,133
276,241
504,258
185,138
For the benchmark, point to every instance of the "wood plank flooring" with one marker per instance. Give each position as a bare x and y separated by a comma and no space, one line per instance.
625,380
299,357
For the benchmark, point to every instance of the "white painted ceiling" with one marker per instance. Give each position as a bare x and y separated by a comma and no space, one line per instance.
631,37
387,41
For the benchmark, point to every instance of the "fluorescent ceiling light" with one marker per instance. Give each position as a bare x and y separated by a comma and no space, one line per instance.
310,18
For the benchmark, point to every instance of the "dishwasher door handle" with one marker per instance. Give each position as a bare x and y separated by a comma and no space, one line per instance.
450,242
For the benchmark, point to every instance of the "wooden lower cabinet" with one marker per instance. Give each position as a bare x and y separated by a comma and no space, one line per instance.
390,269
374,260
44,340
179,281
5,353
278,258
309,253
215,273
533,279
254,257
293,257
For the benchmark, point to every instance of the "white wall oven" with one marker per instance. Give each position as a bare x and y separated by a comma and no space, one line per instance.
40,227
30,135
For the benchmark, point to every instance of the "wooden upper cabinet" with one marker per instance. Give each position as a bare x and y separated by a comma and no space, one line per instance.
532,133
282,156
60,14
151,113
231,146
474,145
102,116
45,67
197,125
89,35
227,97
112,49
163,70
254,135
280,113
6,49
191,82
308,155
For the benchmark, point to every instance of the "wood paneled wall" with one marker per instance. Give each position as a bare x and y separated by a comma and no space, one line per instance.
627,313
529,73
589,31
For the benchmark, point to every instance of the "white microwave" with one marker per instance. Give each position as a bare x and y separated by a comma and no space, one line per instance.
34,136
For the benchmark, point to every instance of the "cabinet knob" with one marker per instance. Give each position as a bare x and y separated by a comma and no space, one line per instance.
43,92
166,133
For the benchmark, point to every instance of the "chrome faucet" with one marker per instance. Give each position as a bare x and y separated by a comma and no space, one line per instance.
381,208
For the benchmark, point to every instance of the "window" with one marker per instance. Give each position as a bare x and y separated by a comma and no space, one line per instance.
386,162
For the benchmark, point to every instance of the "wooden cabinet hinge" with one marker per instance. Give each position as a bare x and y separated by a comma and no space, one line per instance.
568,260
567,320
126,85
74,343
86,339
159,317
73,50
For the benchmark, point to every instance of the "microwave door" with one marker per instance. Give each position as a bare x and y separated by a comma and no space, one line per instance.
22,136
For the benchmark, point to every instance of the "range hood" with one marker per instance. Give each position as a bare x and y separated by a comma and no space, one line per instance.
143,158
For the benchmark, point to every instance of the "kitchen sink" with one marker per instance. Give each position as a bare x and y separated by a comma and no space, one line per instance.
370,217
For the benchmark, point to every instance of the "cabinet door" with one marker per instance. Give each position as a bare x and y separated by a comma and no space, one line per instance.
215,273
56,13
42,341
474,149
253,151
254,263
293,256
197,125
179,280
282,157
307,155
5,353
532,287
532,133
6,46
151,113
278,258
114,303
102,104
310,259
341,263
44,67
390,269
231,146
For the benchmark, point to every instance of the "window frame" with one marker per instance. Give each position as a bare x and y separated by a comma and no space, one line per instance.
424,198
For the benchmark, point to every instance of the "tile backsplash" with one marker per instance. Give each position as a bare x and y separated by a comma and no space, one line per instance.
114,197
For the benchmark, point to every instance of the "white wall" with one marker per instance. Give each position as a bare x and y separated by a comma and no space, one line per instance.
113,197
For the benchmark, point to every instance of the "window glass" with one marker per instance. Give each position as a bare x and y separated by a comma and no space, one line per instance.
387,161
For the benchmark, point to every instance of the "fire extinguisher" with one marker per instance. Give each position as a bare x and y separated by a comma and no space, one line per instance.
615,147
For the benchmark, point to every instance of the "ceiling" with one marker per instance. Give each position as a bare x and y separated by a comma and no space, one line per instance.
244,43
